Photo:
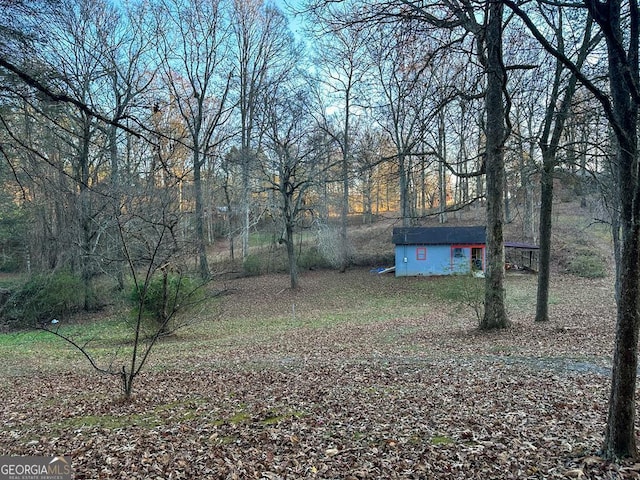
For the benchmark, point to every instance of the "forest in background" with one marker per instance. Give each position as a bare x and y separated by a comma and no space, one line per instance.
137,135
209,120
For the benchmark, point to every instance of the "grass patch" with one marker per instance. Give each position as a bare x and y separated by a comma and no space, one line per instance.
162,414
109,422
465,292
273,418
264,318
456,289
107,340
521,293
502,349
442,440
586,263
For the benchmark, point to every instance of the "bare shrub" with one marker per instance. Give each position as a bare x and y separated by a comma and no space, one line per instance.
330,246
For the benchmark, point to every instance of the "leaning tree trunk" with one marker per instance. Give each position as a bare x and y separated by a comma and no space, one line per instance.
495,315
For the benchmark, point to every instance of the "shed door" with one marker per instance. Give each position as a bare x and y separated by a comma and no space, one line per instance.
477,259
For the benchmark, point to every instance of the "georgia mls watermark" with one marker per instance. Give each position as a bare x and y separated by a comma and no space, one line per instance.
35,468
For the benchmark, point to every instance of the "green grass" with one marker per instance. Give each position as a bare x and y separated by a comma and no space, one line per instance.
260,239
29,351
521,292
110,422
442,440
587,264
368,300
188,410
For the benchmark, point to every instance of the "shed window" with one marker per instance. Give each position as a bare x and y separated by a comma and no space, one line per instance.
458,252
421,253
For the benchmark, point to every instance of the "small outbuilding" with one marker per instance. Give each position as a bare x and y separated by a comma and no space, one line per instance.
439,250
522,257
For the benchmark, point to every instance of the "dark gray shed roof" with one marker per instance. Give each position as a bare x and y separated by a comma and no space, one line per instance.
439,235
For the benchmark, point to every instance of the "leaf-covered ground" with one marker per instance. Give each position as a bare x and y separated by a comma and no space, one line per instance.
355,376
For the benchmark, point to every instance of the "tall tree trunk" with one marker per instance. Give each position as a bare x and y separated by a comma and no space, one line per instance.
405,210
621,103
246,207
344,216
86,234
344,212
200,234
116,245
620,440
495,315
291,256
624,78
546,210
286,191
442,171
554,127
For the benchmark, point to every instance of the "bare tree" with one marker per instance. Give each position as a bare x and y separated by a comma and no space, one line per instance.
369,154
291,167
342,66
404,75
485,22
553,127
148,227
126,47
77,57
489,51
261,35
619,23
193,52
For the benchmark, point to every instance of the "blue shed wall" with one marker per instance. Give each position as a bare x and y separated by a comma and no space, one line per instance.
415,260
409,262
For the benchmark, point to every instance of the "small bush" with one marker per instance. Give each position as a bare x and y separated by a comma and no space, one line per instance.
163,299
466,291
253,265
312,258
44,297
331,247
587,264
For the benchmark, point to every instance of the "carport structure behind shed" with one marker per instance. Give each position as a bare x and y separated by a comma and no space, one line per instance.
521,256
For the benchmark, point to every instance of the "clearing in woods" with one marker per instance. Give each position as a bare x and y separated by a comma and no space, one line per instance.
353,376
